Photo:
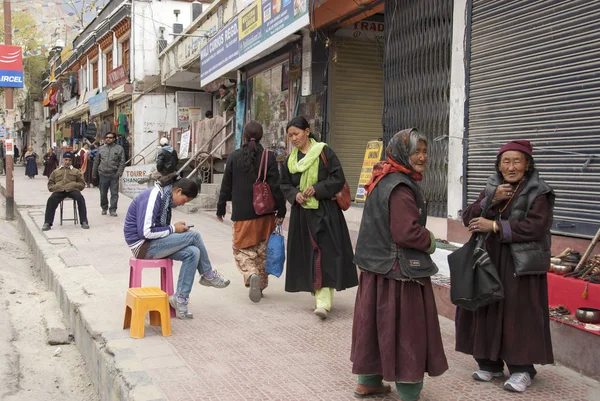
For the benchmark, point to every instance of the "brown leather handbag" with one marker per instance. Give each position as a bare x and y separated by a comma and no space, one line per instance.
343,198
262,197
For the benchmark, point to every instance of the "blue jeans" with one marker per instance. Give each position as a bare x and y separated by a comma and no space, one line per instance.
187,247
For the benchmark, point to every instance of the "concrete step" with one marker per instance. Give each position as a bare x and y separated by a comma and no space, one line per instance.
218,178
202,202
210,189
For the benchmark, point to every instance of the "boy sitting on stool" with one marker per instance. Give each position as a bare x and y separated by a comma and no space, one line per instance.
65,182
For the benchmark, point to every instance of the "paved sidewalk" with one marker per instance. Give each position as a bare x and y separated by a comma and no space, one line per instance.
233,349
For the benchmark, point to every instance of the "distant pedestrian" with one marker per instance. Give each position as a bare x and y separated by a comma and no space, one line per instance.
50,162
227,101
251,232
31,169
319,251
150,235
2,160
166,160
17,154
396,333
109,164
65,182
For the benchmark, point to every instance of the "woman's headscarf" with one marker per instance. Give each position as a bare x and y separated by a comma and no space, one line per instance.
397,158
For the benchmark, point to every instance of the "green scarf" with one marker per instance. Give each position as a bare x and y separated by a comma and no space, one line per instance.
309,167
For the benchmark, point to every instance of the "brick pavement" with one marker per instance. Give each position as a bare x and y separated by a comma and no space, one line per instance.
234,349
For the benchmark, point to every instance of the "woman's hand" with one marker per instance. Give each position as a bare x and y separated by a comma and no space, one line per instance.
503,192
481,225
220,218
300,198
310,191
279,221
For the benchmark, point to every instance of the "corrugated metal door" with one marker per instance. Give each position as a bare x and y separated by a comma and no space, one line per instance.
535,74
356,102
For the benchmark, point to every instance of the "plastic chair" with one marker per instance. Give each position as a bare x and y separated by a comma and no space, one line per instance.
75,218
166,274
139,302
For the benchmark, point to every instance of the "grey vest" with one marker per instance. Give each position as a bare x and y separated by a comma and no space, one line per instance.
376,251
529,257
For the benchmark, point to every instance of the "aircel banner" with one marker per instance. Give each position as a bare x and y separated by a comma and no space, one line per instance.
11,67
259,26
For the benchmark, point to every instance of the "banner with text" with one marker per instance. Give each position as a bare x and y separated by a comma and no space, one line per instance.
258,27
11,67
372,157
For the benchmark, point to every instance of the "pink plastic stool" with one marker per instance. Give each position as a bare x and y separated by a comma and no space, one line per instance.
166,274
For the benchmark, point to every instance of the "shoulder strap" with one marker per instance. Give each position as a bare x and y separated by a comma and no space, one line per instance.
266,152
324,160
264,159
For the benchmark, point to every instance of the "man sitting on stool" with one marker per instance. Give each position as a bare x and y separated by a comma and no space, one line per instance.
65,182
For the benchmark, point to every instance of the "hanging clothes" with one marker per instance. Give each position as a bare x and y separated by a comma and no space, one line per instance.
122,125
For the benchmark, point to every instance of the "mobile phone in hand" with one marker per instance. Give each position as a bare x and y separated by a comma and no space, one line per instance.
190,226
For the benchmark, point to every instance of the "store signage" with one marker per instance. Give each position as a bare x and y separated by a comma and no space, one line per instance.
130,180
258,27
70,105
98,104
363,30
372,157
11,67
2,132
184,148
117,77
9,147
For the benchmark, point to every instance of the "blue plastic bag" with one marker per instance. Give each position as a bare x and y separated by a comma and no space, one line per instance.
275,253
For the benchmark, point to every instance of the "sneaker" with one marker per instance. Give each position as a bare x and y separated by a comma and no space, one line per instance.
321,312
113,213
485,376
518,382
85,225
255,294
216,281
181,307
46,227
104,212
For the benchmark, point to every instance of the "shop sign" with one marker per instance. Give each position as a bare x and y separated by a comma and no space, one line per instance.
9,147
184,149
11,66
258,27
117,77
70,105
372,157
98,104
130,180
195,114
2,132
183,114
363,30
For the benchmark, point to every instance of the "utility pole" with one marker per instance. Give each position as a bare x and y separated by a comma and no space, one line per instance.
10,121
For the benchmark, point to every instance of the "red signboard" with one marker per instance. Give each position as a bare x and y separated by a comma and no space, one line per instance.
117,77
11,66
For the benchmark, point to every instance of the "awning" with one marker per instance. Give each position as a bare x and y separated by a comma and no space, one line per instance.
76,112
120,92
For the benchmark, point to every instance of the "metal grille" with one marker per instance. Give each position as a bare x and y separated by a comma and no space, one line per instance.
534,74
417,83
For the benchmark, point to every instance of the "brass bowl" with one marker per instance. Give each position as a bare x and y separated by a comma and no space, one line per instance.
588,315
561,270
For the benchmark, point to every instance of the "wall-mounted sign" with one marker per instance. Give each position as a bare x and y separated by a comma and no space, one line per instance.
363,30
70,105
258,27
184,149
372,157
11,67
98,104
117,77
130,180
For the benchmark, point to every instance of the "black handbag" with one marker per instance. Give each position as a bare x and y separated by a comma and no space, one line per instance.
474,280
415,264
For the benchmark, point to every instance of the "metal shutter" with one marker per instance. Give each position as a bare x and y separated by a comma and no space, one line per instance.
535,74
356,103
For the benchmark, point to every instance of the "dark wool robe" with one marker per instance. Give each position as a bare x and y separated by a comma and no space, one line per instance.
516,329
31,169
51,164
328,228
396,331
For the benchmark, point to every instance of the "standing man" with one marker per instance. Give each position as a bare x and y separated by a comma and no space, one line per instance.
109,164
226,101
65,182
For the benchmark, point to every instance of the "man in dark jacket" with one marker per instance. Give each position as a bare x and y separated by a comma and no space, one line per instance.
65,182
109,164
166,160
226,101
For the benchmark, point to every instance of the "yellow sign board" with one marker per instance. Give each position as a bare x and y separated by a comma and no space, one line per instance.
372,157
250,19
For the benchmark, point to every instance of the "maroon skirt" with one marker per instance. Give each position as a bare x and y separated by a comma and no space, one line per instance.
396,331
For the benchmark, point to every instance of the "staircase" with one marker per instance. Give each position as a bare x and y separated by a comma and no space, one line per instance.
206,199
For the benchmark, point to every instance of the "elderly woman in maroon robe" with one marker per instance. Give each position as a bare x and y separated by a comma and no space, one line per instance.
396,332
517,206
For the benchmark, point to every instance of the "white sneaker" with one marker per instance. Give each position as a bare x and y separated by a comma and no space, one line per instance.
485,376
518,382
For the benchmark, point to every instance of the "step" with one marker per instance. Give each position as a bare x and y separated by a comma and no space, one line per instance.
218,178
210,189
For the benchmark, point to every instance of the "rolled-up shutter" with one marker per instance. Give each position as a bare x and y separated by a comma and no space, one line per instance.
535,74
356,103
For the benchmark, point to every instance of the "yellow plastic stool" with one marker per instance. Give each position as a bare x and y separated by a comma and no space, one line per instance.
141,301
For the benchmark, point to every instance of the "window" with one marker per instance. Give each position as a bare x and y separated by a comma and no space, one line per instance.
125,56
95,75
108,66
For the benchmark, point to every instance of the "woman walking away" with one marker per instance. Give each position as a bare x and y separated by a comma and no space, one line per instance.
85,165
50,162
250,231
396,333
319,251
31,169
517,210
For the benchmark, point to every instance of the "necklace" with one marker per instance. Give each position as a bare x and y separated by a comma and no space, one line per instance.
511,197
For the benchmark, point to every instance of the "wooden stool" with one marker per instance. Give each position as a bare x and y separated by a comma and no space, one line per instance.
139,302
75,218
166,274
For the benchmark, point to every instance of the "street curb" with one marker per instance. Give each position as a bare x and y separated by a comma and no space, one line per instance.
112,366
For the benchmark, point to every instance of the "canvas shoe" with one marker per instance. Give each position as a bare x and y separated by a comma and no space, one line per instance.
217,281
518,382
255,294
46,227
181,307
485,376
321,313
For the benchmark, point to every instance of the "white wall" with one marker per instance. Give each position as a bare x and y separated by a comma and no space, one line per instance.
152,112
457,110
